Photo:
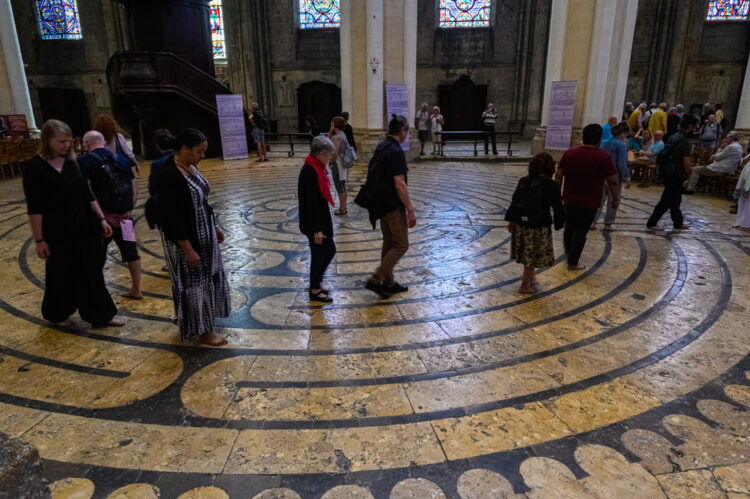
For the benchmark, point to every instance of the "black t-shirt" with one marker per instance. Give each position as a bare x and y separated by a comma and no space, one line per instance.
681,149
393,163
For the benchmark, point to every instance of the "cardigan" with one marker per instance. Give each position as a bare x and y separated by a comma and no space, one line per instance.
314,214
175,212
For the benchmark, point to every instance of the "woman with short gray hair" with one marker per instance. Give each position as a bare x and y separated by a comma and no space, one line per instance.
314,196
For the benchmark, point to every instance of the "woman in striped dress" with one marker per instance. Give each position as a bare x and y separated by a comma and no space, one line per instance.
199,285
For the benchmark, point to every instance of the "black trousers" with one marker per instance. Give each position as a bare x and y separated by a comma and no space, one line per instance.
578,221
320,256
489,134
670,200
74,280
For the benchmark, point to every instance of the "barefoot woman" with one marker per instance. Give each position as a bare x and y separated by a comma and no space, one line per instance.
199,285
67,225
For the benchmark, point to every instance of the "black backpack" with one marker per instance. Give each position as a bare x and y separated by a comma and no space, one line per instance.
113,186
260,120
665,163
527,207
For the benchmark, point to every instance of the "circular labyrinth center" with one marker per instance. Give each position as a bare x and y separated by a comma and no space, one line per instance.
459,368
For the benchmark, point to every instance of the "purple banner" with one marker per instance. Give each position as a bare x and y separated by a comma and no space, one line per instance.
397,102
232,126
562,100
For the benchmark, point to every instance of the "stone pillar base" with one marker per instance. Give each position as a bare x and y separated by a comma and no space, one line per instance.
537,143
368,140
743,134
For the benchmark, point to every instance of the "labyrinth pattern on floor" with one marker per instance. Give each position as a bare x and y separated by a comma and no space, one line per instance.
627,378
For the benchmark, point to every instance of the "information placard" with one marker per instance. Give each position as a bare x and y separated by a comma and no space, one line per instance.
232,126
562,102
397,102
14,125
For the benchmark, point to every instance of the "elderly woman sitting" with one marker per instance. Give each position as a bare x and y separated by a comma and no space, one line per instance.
314,195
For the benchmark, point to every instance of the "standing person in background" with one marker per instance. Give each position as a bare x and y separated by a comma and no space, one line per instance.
617,149
488,121
437,124
111,180
107,126
680,112
529,219
259,124
627,111
673,122
607,128
311,125
658,119
199,285
635,120
422,124
338,170
679,168
709,133
581,174
349,131
67,225
393,206
314,195
720,116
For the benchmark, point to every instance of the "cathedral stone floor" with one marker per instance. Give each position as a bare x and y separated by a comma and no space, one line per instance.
630,379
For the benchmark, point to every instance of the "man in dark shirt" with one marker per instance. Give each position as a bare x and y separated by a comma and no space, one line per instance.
581,173
395,203
121,223
681,168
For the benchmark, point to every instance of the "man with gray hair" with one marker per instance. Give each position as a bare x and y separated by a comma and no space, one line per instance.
724,162
422,124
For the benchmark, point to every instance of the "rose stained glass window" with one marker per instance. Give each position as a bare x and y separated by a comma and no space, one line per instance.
465,13
319,14
58,19
728,10
216,18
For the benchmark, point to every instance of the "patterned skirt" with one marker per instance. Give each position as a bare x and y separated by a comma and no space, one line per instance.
532,246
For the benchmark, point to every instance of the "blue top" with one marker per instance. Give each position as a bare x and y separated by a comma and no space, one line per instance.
91,165
656,147
606,132
634,143
619,152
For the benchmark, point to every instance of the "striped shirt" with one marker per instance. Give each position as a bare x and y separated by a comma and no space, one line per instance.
489,117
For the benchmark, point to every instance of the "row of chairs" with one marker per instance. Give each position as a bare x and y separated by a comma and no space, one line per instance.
13,153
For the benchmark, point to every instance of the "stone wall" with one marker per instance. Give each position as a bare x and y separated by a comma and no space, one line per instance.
678,57
71,64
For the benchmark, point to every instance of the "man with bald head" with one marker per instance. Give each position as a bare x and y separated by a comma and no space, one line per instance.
113,183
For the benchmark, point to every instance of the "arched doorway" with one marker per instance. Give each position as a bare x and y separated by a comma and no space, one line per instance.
320,100
462,104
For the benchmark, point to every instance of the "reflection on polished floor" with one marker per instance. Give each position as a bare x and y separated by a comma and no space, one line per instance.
627,380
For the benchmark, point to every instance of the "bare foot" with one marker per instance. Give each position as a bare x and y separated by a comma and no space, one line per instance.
655,228
133,295
66,323
580,266
116,321
212,339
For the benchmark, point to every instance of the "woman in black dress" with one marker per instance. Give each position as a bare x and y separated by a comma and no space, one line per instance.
314,194
67,225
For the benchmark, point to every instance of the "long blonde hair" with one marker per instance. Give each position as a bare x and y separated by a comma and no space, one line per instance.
49,130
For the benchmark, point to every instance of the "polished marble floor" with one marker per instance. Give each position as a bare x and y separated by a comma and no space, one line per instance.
630,379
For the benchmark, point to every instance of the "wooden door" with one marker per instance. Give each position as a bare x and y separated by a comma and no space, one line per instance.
320,100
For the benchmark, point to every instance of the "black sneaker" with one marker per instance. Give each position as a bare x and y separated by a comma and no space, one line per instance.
377,288
396,288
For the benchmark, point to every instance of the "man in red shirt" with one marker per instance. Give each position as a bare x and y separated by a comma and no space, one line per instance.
581,173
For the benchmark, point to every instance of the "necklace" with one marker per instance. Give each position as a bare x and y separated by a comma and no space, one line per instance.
190,169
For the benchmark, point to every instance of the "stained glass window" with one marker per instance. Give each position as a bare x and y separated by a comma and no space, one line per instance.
319,14
216,18
727,10
58,19
465,13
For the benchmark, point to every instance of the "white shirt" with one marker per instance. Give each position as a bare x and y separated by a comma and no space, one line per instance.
436,126
424,120
728,159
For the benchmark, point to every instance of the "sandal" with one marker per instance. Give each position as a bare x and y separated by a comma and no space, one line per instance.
320,296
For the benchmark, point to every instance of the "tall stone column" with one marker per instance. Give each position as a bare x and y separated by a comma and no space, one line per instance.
378,46
14,89
742,123
591,43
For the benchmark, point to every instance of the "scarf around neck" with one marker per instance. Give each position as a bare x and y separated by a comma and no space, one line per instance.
323,183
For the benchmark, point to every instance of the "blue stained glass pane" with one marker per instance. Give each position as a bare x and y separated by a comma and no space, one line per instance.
216,18
58,19
465,13
728,10
319,14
